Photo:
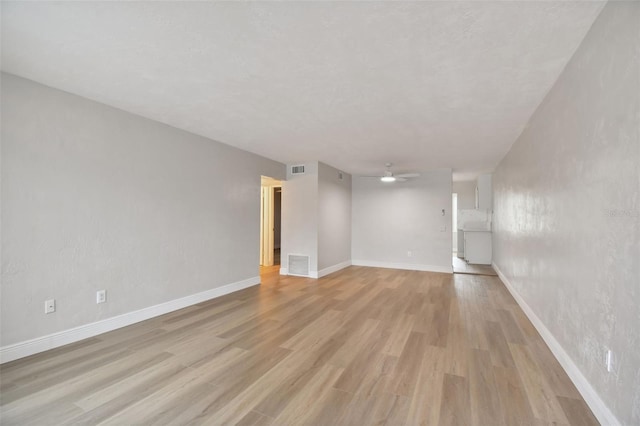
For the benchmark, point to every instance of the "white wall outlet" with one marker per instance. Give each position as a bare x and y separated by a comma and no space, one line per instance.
608,360
101,296
409,253
50,306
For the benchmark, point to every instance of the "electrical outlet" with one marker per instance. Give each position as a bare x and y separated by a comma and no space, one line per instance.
608,360
409,253
101,296
50,306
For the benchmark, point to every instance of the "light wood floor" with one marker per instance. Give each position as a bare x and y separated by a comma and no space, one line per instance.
460,266
361,346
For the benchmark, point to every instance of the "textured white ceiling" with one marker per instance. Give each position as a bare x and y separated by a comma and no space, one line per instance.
354,84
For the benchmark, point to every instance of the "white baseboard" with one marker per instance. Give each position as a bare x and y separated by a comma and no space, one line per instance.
591,397
312,274
406,266
61,338
334,268
322,272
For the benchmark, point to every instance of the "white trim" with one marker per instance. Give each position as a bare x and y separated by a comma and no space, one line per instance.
61,338
285,271
591,397
321,273
334,268
407,266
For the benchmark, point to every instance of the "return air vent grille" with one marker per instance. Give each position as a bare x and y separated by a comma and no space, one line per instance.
299,265
297,170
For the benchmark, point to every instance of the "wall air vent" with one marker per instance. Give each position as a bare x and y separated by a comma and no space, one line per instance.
297,170
298,265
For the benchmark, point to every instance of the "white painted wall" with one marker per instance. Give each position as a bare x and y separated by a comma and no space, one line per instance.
300,216
466,194
334,218
388,220
97,198
567,214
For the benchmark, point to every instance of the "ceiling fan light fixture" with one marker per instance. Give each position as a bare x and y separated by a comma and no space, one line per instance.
388,179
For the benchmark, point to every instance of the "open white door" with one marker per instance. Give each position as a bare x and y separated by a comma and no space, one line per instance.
266,227
267,217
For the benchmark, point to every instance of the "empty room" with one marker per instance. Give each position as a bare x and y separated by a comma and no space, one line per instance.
320,213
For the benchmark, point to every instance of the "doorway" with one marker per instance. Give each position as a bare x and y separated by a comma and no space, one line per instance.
277,223
270,222
459,264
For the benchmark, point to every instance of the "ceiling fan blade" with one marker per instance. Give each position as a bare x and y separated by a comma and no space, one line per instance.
400,179
378,177
407,175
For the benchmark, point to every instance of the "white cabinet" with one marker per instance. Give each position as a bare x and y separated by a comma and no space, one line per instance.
460,235
477,247
484,194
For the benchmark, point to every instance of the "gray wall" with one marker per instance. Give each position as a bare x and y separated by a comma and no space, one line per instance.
334,217
97,198
466,194
391,219
567,209
300,216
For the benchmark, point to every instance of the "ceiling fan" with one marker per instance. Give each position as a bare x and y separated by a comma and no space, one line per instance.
388,175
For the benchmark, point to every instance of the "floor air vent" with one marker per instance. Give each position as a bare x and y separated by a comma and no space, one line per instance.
298,265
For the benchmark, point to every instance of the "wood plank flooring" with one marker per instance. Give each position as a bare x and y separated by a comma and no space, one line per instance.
460,266
362,346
